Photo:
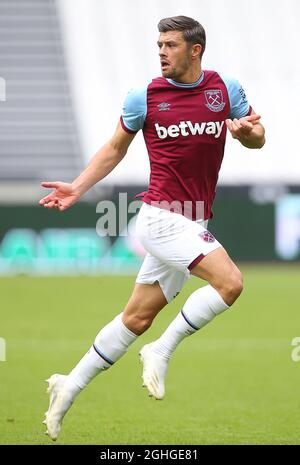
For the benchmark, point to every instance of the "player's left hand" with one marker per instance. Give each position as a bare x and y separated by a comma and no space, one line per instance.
242,127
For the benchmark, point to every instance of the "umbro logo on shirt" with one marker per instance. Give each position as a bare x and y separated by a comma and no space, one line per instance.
163,106
187,128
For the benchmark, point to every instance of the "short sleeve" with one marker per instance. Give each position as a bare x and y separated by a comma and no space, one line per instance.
134,110
239,105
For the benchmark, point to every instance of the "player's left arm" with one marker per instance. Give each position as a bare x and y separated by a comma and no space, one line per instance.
248,130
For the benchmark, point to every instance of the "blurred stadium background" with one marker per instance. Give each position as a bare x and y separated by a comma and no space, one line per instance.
65,69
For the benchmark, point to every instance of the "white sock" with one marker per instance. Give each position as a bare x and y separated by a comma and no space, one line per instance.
110,344
200,308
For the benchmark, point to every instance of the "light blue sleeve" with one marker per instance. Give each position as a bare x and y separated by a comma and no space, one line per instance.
135,109
239,105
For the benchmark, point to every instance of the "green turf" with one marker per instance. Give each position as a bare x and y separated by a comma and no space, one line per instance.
232,383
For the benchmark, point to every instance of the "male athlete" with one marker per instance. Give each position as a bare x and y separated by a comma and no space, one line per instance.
183,115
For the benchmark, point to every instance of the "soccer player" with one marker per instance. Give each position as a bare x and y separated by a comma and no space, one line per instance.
183,115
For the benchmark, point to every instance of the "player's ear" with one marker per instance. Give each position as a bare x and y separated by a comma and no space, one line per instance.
196,51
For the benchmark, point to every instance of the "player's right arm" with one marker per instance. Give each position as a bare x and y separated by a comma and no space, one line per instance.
102,163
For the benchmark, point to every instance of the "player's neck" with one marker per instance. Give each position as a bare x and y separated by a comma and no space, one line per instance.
190,77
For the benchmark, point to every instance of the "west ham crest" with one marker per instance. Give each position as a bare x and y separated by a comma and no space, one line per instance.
214,100
207,236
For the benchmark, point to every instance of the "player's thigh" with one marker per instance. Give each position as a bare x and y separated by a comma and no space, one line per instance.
221,272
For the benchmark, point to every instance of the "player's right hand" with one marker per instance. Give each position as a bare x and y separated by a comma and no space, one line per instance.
63,196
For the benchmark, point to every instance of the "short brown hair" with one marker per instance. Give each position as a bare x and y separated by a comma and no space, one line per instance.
193,32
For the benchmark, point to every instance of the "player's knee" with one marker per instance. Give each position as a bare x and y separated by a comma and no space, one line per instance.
138,322
233,287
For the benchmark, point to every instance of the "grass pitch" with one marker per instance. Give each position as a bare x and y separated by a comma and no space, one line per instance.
234,382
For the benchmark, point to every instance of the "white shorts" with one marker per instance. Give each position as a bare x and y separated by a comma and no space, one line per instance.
174,244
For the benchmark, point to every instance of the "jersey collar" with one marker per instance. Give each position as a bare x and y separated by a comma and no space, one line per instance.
187,86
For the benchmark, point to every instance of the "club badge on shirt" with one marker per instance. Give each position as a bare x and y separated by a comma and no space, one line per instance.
207,236
214,100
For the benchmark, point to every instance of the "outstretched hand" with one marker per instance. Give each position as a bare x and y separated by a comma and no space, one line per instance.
63,196
243,126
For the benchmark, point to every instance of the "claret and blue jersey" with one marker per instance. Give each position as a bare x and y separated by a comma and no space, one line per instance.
184,130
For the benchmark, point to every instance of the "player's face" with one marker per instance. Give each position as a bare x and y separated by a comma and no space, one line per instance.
174,53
